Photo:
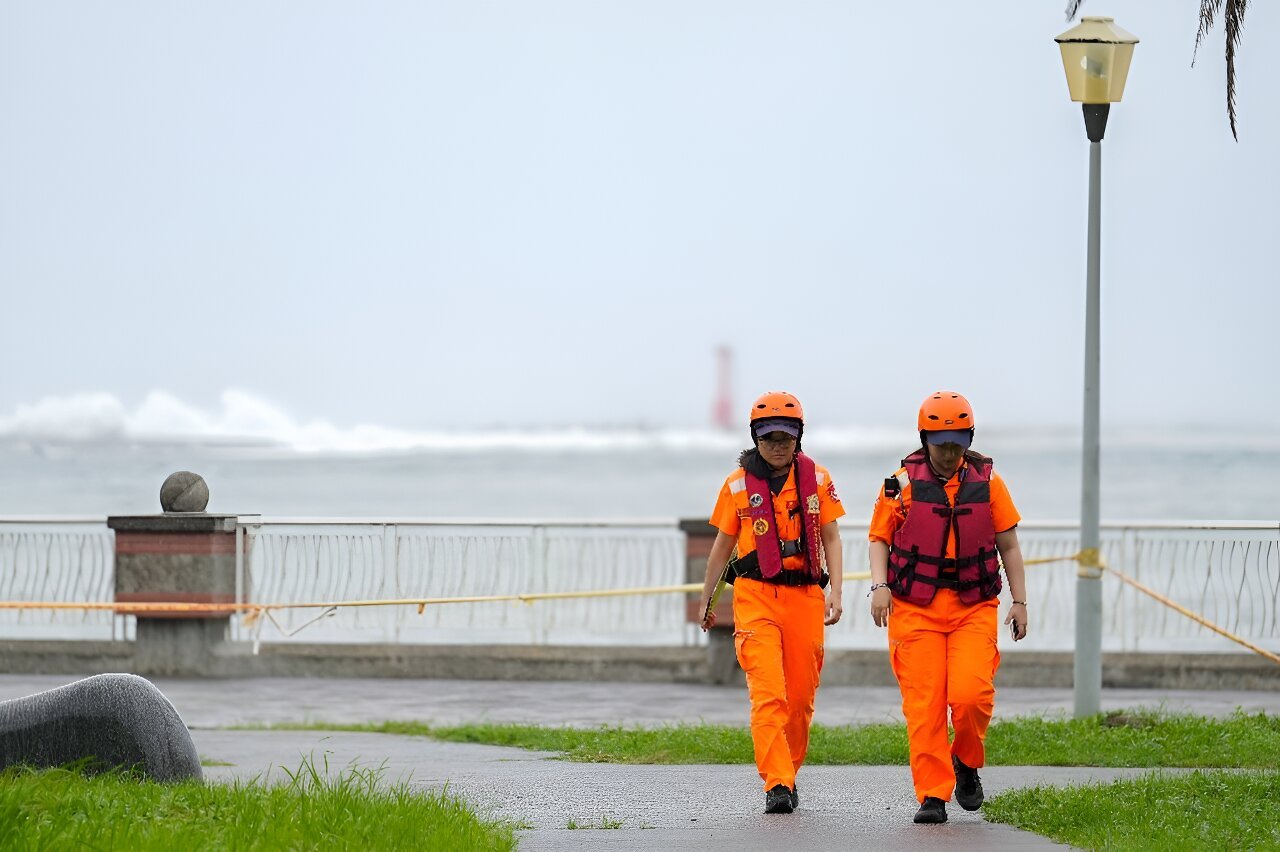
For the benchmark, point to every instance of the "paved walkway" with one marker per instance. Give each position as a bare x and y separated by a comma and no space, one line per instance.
658,807
213,703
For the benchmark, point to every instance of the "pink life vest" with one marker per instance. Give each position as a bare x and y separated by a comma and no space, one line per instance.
917,555
768,546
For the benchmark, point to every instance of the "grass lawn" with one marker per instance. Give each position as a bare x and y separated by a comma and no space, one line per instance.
1140,739
1199,810
63,809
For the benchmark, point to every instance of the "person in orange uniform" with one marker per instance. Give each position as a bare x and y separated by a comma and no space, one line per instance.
941,528
779,511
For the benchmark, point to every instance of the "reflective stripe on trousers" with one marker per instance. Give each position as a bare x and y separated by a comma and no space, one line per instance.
944,655
779,640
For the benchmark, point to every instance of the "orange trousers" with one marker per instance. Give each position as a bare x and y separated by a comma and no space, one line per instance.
944,655
778,633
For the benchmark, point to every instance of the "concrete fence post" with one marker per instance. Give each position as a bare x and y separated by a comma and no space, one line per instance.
181,556
187,558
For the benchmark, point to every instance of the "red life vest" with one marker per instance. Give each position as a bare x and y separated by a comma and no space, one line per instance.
764,526
917,555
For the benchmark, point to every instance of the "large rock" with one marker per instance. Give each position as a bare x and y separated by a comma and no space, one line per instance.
112,720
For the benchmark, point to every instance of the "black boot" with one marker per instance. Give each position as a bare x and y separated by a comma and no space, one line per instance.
795,797
778,800
968,785
932,809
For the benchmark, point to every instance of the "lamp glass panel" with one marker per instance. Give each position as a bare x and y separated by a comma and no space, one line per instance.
1096,72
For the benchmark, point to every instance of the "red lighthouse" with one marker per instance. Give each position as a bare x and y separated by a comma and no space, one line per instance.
722,411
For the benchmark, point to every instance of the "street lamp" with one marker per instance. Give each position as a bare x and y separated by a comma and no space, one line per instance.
1096,56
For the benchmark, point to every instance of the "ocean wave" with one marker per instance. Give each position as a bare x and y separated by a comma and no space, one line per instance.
244,418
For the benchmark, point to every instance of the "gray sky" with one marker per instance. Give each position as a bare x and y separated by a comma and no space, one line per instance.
429,215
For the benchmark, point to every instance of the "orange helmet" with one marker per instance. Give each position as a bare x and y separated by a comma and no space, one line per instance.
945,411
777,404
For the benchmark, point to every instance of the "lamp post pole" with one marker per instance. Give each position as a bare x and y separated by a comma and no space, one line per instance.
1088,656
1095,56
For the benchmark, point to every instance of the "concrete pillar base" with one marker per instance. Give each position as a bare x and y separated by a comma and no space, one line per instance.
722,658
178,646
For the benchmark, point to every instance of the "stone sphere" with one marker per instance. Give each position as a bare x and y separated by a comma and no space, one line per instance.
184,491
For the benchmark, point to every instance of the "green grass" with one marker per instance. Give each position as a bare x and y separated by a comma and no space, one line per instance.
604,823
209,761
1132,739
1200,810
64,809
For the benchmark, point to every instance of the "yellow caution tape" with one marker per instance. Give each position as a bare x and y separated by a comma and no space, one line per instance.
1199,619
137,608
141,608
1046,560
1091,563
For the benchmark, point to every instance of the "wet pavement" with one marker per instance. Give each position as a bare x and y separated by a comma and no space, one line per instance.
619,807
647,807
213,703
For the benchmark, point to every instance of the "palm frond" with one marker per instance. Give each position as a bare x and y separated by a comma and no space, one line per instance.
1234,19
1208,11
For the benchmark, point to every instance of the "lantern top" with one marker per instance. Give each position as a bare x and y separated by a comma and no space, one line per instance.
1096,30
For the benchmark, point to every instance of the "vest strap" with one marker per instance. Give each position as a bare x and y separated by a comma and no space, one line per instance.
963,562
749,567
953,583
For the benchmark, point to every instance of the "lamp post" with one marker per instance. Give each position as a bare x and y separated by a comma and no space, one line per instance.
1096,56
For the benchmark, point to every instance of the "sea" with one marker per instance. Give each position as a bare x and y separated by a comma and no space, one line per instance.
632,473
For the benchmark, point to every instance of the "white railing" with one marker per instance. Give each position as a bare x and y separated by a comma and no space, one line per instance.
1228,572
67,559
291,561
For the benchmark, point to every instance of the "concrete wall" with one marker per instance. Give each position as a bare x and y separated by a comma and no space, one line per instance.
656,665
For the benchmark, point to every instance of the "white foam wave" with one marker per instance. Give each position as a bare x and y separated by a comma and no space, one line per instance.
243,417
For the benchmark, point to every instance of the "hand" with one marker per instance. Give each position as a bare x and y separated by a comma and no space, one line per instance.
881,606
710,620
1018,614
834,607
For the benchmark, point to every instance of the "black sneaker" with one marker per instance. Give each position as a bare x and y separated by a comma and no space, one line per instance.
778,800
795,798
932,809
968,785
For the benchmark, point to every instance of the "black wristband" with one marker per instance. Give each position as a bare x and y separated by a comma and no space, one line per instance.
1024,603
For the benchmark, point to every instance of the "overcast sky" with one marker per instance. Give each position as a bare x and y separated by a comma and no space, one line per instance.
441,215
